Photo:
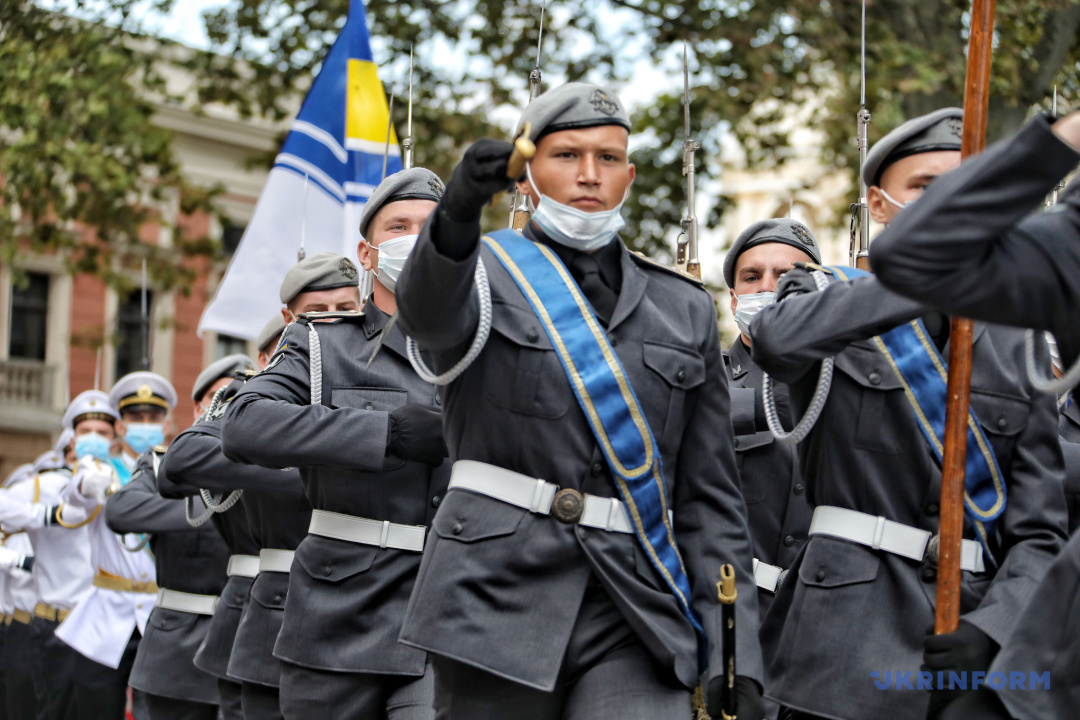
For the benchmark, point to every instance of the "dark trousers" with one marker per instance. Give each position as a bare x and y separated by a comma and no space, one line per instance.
606,673
261,702
19,662
309,694
163,708
231,707
101,691
54,676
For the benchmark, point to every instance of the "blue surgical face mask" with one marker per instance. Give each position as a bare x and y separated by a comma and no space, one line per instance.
140,437
92,444
576,229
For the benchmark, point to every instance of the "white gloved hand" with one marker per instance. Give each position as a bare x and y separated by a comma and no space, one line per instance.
94,478
10,559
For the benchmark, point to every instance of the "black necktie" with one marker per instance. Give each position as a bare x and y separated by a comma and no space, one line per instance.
587,273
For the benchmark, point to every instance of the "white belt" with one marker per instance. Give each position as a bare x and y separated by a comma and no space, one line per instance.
186,602
380,533
767,576
243,565
882,534
537,495
271,560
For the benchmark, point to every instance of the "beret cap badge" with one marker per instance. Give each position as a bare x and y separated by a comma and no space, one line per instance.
956,125
436,186
603,102
803,234
346,268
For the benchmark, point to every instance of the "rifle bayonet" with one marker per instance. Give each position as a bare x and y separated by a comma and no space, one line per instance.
686,248
859,249
407,143
519,212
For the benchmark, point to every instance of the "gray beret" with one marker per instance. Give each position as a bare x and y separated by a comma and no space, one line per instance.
226,367
413,184
779,230
324,271
939,130
572,106
270,331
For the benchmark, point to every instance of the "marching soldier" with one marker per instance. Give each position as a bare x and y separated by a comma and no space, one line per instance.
572,568
772,486
63,678
865,583
217,647
268,339
191,572
277,514
972,248
368,442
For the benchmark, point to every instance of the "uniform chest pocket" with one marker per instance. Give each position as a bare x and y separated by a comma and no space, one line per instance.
368,398
1002,417
679,370
521,370
885,417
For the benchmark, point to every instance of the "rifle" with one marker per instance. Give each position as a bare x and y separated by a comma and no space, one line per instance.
519,209
144,322
686,246
859,249
951,531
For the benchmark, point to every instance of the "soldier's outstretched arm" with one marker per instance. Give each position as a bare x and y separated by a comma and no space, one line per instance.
138,508
969,247
435,297
806,325
195,461
271,421
709,513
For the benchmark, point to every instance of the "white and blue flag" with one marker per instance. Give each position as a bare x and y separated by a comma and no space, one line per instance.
331,162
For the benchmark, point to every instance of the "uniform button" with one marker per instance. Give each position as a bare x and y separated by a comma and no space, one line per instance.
932,509
327,570
596,469
438,399
456,529
820,575
929,574
613,341
875,378
789,541
533,335
435,501
1002,423
278,599
799,489
681,375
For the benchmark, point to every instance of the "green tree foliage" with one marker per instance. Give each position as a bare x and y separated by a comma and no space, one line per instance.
73,105
83,168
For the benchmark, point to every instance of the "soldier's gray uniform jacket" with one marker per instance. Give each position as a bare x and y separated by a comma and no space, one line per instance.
189,560
346,600
500,587
1069,429
855,610
772,485
275,515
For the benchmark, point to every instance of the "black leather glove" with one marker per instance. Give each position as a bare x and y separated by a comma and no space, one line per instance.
966,650
480,174
983,704
749,703
416,434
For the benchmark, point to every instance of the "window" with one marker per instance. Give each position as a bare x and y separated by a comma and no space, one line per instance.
29,311
130,350
231,234
229,345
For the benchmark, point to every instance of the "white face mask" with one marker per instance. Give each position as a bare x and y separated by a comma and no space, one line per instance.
747,306
575,228
898,204
392,256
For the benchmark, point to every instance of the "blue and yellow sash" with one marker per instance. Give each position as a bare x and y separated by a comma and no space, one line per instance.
605,396
924,375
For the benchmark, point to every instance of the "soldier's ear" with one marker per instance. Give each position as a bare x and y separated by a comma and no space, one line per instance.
877,204
363,254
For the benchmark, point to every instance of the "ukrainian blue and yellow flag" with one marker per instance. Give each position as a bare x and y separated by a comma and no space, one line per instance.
331,162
